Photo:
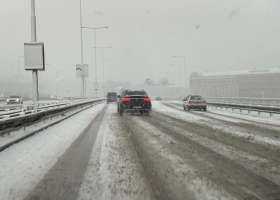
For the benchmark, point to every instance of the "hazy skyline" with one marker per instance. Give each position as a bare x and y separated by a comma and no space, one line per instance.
213,35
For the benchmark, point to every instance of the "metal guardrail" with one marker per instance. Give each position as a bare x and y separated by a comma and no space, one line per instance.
259,109
24,109
246,100
25,117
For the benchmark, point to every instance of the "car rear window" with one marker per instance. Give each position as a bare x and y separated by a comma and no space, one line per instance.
131,93
196,98
112,94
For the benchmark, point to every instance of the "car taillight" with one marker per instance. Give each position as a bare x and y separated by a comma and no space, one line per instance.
147,99
190,102
204,102
106,97
126,99
116,97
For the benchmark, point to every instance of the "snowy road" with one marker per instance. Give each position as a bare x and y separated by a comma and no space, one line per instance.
172,154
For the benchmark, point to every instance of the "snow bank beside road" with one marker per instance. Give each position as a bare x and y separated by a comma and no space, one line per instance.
203,118
24,164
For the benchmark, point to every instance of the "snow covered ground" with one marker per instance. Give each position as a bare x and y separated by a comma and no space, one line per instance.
209,119
24,164
171,154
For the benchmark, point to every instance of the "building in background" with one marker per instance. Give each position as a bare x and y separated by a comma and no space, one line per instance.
261,83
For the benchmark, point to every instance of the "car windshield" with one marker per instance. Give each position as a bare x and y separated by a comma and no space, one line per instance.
196,98
14,96
135,93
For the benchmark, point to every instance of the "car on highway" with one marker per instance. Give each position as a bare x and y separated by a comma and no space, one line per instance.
111,97
194,102
158,98
15,100
134,101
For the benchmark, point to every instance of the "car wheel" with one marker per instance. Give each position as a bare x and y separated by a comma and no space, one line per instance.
188,108
205,109
184,107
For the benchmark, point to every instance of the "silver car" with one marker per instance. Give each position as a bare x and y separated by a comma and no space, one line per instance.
15,100
194,102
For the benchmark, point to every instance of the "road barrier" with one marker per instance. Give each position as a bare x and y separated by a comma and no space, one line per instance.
256,108
9,120
275,102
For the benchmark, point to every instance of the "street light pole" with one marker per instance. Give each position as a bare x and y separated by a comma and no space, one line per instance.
109,68
179,77
173,84
110,75
34,72
179,73
95,52
19,72
82,54
102,64
184,69
95,61
57,83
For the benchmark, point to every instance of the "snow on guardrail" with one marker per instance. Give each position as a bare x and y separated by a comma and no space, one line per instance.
245,101
10,113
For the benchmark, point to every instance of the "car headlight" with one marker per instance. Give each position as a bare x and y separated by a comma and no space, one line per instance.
8,100
17,100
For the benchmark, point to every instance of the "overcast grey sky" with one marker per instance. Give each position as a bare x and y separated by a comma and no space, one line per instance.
213,35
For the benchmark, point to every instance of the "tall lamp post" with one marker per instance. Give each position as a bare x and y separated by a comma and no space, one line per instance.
173,84
19,72
34,72
109,59
179,76
102,63
95,51
57,82
179,73
184,69
110,73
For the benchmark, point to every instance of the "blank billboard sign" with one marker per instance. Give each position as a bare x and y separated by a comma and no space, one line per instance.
34,58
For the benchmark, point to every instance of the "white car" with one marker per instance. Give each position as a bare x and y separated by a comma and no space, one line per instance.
194,102
15,100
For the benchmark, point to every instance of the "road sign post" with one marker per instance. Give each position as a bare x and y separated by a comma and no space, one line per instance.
34,56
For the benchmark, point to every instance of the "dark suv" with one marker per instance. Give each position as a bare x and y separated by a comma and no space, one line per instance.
134,101
111,97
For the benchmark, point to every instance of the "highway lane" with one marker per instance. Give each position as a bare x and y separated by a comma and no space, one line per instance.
172,154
